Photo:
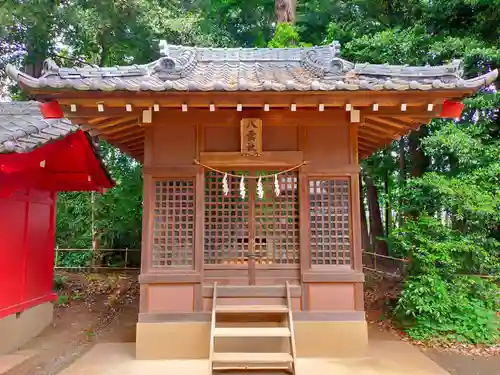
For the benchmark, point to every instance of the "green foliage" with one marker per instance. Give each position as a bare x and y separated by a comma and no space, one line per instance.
115,216
58,282
81,259
450,309
62,300
457,232
286,35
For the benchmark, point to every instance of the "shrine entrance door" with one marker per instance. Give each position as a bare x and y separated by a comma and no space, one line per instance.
251,240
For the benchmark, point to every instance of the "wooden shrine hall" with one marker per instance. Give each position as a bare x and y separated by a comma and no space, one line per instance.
251,251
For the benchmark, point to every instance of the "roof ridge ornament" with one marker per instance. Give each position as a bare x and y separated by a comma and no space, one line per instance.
175,62
163,46
335,48
49,66
326,62
459,67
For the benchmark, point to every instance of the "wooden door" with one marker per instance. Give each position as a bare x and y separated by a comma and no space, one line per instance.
252,237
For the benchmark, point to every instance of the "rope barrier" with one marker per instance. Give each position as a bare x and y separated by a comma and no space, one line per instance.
272,175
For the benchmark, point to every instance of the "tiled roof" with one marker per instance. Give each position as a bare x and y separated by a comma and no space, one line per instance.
253,69
23,128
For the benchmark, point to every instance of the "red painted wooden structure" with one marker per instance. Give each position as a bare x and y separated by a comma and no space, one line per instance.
29,183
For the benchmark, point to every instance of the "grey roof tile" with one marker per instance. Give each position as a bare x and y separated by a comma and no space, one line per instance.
253,69
23,128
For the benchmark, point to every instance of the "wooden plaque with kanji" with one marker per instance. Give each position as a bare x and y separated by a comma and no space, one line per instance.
251,137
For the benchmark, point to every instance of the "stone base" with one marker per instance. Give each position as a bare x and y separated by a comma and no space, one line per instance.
18,330
191,340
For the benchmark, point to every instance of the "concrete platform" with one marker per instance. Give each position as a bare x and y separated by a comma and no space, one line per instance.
382,358
9,361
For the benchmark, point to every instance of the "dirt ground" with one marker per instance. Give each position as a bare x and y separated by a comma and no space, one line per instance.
100,308
104,308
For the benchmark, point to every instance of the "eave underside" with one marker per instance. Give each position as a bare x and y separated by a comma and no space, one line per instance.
383,116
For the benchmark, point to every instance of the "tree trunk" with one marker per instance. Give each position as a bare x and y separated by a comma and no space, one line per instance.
402,176
103,57
388,221
419,161
456,223
285,10
365,238
376,227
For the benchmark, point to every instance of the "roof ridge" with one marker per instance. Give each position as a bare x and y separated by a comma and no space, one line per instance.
318,68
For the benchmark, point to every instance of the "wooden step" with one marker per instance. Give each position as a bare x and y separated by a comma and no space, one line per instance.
273,309
252,358
252,332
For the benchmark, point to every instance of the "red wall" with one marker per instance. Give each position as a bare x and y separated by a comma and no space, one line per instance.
27,226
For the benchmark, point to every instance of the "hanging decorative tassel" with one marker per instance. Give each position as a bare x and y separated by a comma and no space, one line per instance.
276,186
225,186
260,188
242,187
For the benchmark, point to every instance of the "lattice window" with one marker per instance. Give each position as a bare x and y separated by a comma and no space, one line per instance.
174,216
226,222
329,218
277,222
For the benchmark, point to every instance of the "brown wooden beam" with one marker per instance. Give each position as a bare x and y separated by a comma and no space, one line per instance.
114,122
411,111
120,135
369,132
129,138
378,128
146,99
119,128
368,142
134,143
400,130
389,122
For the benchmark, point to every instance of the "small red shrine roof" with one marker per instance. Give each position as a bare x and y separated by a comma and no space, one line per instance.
47,154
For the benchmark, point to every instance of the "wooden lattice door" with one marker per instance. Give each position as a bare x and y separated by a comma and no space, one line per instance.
251,233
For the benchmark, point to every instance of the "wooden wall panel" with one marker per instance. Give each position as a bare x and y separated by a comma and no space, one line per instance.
327,147
331,297
222,138
280,138
174,145
171,298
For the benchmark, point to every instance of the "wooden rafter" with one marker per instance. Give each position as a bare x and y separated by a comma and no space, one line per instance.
136,142
130,138
368,143
114,122
120,128
364,130
389,122
121,135
96,120
389,125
